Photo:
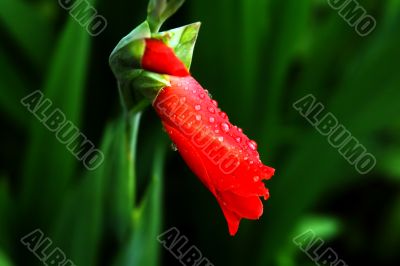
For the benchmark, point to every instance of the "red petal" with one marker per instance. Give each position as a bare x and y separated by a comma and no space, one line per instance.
160,58
207,142
246,207
190,154
232,220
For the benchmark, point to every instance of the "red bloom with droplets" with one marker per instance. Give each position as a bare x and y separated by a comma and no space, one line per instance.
225,160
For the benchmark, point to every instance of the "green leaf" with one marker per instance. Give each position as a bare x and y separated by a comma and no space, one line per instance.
49,165
78,229
283,47
120,175
29,28
13,88
389,238
323,227
143,247
363,116
4,260
6,214
390,163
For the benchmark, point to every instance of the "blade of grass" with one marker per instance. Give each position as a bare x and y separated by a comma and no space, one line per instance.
254,29
30,29
143,247
290,24
12,90
318,176
4,261
6,206
323,227
79,227
121,179
49,165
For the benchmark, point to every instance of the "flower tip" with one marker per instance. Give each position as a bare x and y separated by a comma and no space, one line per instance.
233,230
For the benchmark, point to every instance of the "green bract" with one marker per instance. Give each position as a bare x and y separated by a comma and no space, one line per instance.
135,84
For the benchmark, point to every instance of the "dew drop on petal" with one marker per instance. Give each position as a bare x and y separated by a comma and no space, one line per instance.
240,130
225,127
223,115
256,178
197,107
221,139
212,119
252,145
202,95
214,102
251,162
216,131
238,139
211,109
198,117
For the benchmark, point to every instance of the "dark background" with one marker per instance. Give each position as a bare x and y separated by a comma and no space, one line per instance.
257,58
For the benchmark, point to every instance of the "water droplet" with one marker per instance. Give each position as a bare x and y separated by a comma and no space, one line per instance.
238,139
212,119
221,139
198,117
197,107
225,127
202,95
251,162
216,131
256,178
240,130
223,115
214,102
194,91
211,109
246,158
173,147
252,145
209,94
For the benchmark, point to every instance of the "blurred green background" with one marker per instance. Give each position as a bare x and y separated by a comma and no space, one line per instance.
256,57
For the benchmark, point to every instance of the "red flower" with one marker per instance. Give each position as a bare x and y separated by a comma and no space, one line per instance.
225,160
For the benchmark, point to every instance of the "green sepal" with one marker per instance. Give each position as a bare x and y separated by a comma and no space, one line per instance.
125,62
139,85
149,84
159,11
182,40
135,84
130,49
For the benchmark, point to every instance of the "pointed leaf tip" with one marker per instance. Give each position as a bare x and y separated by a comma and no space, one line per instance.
182,40
159,11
